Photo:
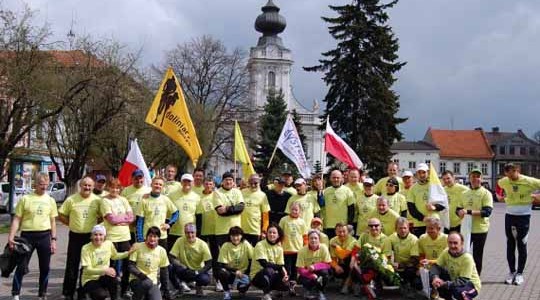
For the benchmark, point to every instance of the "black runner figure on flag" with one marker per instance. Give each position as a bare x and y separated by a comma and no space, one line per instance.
168,98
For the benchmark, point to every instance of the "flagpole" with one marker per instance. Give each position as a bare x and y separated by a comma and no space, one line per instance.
272,157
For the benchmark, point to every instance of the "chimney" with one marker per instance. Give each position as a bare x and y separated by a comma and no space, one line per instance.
520,132
478,128
495,129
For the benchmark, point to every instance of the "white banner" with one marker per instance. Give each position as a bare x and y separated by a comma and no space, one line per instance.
289,143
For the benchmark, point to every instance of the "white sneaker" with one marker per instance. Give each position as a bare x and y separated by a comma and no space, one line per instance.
184,287
266,297
16,297
227,296
219,286
322,296
509,278
518,280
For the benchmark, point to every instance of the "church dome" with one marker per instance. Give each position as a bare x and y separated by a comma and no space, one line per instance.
270,22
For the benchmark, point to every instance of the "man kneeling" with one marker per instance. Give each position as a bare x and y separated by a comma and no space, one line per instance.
454,275
191,260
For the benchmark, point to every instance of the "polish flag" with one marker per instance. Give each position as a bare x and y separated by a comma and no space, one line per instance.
134,161
336,146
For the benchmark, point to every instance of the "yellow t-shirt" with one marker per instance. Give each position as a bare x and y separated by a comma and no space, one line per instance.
348,244
308,204
431,248
116,206
461,266
419,195
404,248
270,253
475,200
455,195
193,255
82,212
519,192
365,205
227,198
336,202
324,238
155,211
134,195
256,204
388,220
198,189
294,230
188,205
149,261
380,186
36,212
307,257
357,189
171,187
98,258
381,241
397,202
209,214
236,256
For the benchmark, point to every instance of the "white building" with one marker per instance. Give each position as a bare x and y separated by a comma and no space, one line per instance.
409,154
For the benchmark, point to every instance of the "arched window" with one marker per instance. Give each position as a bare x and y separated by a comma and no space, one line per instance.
271,79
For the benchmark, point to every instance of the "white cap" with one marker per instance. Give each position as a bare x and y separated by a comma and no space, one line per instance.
407,173
299,181
187,176
99,228
422,167
368,181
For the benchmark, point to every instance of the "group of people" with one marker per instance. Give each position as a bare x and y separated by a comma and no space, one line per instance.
178,235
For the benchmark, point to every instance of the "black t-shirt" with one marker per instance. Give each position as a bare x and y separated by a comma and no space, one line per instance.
278,203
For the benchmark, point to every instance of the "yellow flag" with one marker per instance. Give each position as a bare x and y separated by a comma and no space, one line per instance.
169,113
241,153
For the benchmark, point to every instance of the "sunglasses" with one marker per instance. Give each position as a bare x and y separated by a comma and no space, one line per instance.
374,225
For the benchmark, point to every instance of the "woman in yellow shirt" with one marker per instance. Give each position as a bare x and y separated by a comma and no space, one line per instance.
313,265
35,216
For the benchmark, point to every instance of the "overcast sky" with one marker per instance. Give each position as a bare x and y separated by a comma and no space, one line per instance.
469,63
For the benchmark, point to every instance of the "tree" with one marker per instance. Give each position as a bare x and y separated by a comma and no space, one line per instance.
359,73
270,125
215,83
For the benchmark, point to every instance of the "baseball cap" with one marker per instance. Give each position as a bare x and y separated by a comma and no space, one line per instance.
279,180
476,170
368,181
137,173
226,175
186,176
299,181
407,174
422,167
101,177
392,181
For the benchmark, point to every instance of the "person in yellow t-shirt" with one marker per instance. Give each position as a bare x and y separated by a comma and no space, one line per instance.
188,204
313,265
392,170
316,224
80,213
294,237
198,181
267,270
396,201
418,204
432,243
134,193
35,216
191,260
454,191
477,202
229,205
117,215
406,257
341,247
98,278
408,182
355,184
255,217
308,202
385,215
234,261
171,185
157,210
454,276
339,204
364,206
145,262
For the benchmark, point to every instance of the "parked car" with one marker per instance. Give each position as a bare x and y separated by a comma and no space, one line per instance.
57,190
5,188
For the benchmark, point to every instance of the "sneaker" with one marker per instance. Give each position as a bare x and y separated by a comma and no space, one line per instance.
266,297
184,287
199,291
509,278
292,290
518,280
16,297
227,296
219,286
322,296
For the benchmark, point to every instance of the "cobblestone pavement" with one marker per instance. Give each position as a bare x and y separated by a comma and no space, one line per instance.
495,268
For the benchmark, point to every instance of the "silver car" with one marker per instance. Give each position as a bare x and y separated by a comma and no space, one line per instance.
4,196
57,190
